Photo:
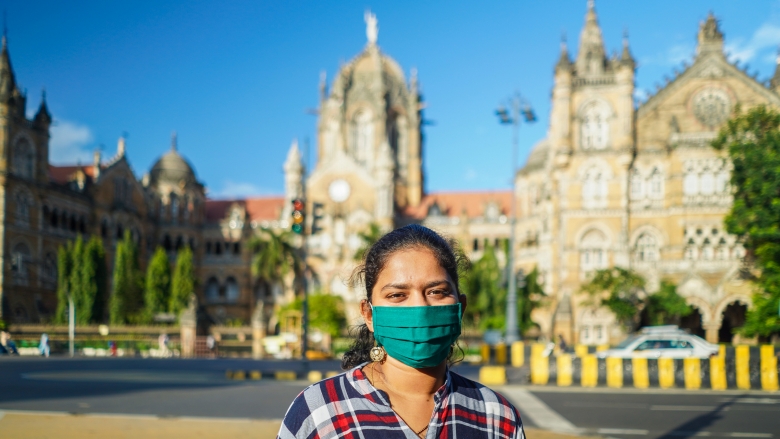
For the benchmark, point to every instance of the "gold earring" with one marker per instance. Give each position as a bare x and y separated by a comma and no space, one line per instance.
377,353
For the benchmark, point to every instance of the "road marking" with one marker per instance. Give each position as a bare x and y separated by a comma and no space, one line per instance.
689,433
133,416
751,435
687,408
751,400
621,431
538,412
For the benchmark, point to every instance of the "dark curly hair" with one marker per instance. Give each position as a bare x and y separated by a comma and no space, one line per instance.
446,251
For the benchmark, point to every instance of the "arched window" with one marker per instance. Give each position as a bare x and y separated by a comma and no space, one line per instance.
20,261
656,184
212,290
174,208
231,290
707,183
594,189
362,136
637,185
646,249
722,182
54,219
595,128
23,203
593,251
690,183
49,272
167,244
208,247
24,159
104,228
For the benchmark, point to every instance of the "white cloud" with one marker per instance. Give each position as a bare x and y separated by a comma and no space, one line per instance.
68,142
673,56
233,189
764,40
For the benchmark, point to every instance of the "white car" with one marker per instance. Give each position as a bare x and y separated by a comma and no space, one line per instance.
662,341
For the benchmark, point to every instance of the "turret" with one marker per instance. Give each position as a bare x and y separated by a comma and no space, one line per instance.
710,37
42,119
564,62
591,57
626,59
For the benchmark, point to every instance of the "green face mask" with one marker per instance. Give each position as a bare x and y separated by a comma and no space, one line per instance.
418,336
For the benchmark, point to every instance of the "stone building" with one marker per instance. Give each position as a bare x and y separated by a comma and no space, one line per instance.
614,183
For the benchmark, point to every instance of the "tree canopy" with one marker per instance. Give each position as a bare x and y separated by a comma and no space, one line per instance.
274,256
183,283
752,142
326,312
157,290
126,298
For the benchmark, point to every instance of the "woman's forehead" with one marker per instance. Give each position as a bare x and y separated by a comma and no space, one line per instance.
414,261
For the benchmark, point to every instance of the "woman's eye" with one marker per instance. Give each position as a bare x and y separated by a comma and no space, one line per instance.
439,292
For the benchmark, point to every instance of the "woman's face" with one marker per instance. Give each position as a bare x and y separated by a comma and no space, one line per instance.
412,278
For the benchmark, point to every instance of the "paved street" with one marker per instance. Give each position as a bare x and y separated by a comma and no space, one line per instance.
169,389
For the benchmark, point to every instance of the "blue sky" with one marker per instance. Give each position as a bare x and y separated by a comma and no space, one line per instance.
234,78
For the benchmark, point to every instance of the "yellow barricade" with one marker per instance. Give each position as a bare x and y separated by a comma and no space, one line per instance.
614,372
665,373
484,352
743,366
239,375
641,376
501,354
540,365
718,372
255,375
580,350
492,375
314,376
518,354
722,350
564,370
285,375
590,371
602,347
768,368
692,373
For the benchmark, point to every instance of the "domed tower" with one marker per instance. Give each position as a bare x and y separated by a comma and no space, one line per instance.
179,199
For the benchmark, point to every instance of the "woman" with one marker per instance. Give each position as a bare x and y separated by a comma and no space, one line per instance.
398,384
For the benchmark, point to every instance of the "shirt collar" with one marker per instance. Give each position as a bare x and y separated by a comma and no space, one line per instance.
360,382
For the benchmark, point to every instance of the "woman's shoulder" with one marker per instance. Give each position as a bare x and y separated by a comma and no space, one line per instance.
471,393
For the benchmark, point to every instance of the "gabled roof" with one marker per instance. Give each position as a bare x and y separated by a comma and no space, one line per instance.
65,174
257,208
473,203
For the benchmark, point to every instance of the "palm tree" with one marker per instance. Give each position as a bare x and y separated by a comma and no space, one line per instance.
367,238
274,256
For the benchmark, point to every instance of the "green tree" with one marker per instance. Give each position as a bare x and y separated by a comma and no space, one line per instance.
274,256
64,269
326,312
752,142
666,306
158,285
126,300
79,289
92,279
528,298
485,293
183,282
621,291
367,238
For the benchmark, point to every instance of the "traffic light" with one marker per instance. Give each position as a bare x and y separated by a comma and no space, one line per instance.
317,212
298,215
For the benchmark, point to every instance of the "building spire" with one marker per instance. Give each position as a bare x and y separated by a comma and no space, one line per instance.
710,37
626,58
43,117
563,61
591,57
120,146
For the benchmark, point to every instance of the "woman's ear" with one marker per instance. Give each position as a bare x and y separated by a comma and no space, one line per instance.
367,313
463,302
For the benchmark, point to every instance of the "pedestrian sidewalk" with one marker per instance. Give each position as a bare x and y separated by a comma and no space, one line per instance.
43,425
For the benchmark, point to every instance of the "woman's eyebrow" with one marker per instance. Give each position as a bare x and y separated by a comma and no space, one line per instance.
403,286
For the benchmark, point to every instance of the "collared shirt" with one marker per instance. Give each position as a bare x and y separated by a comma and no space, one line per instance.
348,406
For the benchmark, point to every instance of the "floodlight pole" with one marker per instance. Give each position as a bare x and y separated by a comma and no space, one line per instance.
71,325
513,117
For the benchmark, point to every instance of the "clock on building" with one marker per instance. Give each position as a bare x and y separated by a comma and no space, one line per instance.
711,106
339,190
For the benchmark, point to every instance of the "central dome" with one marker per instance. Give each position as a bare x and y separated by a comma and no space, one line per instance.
172,168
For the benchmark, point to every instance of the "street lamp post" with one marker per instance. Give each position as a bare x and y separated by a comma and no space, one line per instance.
71,325
507,117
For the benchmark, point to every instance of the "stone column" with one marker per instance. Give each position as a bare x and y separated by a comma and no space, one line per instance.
188,322
711,331
258,331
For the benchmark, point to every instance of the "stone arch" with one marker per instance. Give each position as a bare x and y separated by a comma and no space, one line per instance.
25,203
232,290
23,156
21,262
586,229
211,289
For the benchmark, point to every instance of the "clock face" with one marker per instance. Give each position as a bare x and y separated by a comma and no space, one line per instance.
711,106
339,190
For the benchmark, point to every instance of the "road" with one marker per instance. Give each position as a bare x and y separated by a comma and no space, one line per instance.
198,388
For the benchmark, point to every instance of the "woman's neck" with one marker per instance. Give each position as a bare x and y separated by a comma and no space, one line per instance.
408,381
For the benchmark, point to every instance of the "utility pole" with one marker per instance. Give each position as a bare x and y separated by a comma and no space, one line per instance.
507,117
71,325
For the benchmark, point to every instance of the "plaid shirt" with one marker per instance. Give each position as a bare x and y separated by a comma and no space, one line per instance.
348,406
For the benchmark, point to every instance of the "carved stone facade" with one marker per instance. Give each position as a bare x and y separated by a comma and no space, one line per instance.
613,184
